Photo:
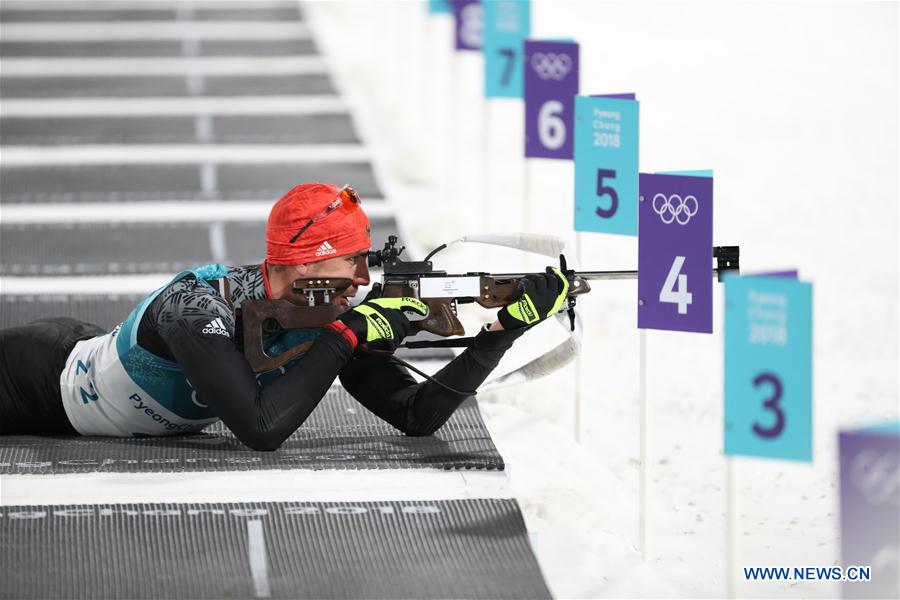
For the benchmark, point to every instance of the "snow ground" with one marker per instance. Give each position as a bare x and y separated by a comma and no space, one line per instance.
795,107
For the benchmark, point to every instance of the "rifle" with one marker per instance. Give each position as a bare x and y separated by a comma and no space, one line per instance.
441,292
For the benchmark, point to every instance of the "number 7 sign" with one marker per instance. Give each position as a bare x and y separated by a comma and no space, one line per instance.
675,259
506,25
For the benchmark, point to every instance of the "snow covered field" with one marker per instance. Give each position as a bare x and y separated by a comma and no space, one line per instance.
795,107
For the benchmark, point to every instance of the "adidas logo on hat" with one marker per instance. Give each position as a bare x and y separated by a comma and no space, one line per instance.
216,326
325,249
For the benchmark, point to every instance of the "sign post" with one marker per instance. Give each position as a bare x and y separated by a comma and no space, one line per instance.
768,380
674,278
551,84
605,146
468,32
506,25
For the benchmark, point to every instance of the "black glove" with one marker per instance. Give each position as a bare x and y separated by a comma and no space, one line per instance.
543,295
381,320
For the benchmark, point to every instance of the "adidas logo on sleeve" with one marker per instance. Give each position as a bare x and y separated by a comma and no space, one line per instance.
325,249
216,326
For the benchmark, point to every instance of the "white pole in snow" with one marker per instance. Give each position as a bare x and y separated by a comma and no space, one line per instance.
644,516
437,137
732,526
486,167
455,99
526,197
578,365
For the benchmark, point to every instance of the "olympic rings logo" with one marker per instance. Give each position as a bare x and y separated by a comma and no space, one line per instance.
674,208
876,476
551,66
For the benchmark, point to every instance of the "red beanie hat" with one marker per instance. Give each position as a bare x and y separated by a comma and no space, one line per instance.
292,240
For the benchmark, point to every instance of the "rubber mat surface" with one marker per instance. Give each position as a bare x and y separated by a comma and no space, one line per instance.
422,549
125,183
157,48
340,434
26,86
269,129
132,248
266,12
105,310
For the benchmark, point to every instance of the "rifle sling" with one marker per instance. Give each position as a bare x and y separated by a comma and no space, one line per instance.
223,286
464,342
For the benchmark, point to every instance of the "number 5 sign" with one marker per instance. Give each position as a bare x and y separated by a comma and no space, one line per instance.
675,276
768,367
551,83
606,164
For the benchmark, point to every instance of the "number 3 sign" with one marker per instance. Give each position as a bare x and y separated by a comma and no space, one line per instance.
675,252
768,367
551,83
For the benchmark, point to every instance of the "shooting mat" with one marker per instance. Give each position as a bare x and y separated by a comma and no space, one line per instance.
180,129
128,183
155,48
339,434
422,549
132,248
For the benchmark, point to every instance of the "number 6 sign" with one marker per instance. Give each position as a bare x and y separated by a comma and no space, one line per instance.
768,367
551,83
675,252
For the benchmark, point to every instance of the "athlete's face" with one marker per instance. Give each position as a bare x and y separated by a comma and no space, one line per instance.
351,266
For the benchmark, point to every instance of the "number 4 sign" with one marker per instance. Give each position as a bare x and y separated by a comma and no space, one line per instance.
768,367
675,276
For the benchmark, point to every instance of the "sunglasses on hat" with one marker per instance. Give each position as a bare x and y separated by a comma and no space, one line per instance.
346,198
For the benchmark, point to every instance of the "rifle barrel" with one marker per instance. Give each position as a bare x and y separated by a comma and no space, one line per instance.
589,275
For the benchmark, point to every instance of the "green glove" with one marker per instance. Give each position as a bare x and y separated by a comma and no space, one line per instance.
543,295
379,319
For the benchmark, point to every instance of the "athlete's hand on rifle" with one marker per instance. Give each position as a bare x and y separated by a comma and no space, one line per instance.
543,295
380,322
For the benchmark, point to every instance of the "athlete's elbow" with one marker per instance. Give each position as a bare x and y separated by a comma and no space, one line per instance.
422,429
261,441
264,445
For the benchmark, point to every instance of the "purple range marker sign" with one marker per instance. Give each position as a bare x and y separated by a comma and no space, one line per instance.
675,252
551,84
870,511
468,17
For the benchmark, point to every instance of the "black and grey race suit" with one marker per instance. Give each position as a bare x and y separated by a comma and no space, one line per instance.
176,364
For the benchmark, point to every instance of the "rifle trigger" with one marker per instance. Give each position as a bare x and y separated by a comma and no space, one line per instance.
571,312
